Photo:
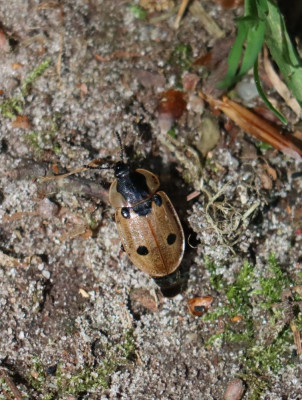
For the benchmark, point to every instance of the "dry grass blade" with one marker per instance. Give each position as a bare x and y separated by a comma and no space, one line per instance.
180,13
208,22
255,125
297,337
280,86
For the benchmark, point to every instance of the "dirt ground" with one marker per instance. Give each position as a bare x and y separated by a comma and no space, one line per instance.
78,321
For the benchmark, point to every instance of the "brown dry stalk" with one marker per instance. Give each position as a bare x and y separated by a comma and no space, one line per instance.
10,383
297,337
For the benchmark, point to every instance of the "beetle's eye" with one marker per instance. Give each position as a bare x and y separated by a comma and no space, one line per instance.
125,212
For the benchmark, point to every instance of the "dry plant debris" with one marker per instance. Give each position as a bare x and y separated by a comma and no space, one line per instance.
255,125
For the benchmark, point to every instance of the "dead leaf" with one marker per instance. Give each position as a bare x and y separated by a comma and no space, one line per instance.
149,80
204,60
21,122
172,102
190,81
237,318
144,298
255,125
171,107
4,43
198,306
16,66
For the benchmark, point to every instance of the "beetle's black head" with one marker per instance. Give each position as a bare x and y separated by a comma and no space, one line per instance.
121,170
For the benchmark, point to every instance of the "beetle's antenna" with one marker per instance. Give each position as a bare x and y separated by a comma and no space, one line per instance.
92,165
122,150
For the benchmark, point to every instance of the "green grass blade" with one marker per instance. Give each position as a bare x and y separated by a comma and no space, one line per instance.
281,48
263,96
235,56
254,44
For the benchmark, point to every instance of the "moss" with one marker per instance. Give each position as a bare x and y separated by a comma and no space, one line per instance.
257,385
238,294
5,388
216,279
267,358
12,107
181,57
87,379
33,140
45,139
128,346
33,76
137,11
273,285
261,356
37,376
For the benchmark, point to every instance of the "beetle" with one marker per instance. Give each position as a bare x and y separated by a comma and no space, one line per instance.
147,223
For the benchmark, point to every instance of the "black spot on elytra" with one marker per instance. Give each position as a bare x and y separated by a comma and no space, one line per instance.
142,250
171,238
157,200
125,212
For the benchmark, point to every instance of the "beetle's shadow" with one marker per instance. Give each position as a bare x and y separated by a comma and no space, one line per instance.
177,190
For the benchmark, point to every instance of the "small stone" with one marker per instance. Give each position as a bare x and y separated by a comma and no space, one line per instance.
234,390
46,274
